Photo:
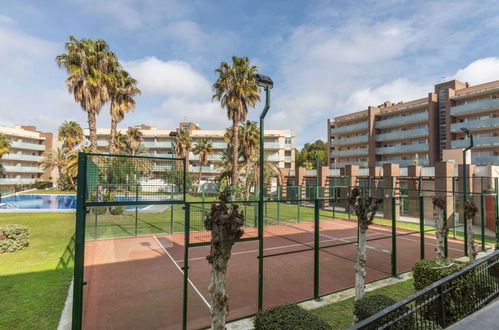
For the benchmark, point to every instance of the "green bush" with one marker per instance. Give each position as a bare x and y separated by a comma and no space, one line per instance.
13,237
459,302
117,210
43,184
288,317
372,304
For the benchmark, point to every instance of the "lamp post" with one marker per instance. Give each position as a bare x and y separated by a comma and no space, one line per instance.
465,187
267,83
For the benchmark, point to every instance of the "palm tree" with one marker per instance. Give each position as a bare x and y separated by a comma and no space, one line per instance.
122,91
133,139
203,148
5,145
71,133
120,142
236,89
89,65
55,159
183,145
249,135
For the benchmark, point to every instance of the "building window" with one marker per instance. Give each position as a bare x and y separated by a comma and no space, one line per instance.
287,140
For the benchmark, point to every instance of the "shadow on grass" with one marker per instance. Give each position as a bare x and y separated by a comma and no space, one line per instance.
66,260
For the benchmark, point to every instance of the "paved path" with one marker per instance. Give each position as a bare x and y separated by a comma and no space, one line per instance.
486,318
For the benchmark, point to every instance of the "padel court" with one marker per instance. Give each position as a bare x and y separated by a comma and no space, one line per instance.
137,282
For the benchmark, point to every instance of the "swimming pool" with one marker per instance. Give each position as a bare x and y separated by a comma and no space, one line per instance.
61,202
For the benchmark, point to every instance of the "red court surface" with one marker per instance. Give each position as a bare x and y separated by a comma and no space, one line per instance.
137,282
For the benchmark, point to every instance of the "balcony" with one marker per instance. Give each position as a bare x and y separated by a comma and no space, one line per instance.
219,145
18,156
273,158
343,164
162,155
402,120
402,149
352,140
404,162
22,169
474,106
489,141
17,181
399,135
288,158
210,157
350,128
475,124
204,169
27,145
487,160
152,144
351,152
272,145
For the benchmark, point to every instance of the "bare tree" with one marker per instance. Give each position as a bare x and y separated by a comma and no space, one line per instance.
439,205
365,209
224,222
470,211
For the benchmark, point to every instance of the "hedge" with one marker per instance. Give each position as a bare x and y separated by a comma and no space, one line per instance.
13,237
288,317
370,305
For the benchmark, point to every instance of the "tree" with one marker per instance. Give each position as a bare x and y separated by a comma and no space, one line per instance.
89,65
183,145
236,89
123,90
306,156
365,210
71,134
120,142
203,149
225,223
5,145
470,210
439,205
55,159
133,139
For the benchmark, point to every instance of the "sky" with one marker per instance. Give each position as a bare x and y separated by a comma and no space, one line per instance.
327,58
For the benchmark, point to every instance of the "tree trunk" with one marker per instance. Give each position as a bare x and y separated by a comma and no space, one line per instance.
360,265
219,299
92,131
235,149
112,138
471,240
199,178
441,232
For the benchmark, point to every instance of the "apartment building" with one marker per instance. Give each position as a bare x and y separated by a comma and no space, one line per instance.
22,164
279,146
418,132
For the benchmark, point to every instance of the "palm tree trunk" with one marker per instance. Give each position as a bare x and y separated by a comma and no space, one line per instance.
235,151
112,138
199,178
92,127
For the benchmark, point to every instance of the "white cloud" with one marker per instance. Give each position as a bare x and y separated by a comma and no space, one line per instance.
479,71
159,77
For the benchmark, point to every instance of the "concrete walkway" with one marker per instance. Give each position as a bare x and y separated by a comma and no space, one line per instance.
485,318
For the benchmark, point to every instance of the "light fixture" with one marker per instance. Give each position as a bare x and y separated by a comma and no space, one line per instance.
264,81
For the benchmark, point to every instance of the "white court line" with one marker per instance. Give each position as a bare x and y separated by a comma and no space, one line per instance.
407,239
277,247
180,269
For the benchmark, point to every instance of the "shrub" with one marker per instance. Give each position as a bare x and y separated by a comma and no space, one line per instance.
288,317
43,184
13,237
459,302
372,304
117,210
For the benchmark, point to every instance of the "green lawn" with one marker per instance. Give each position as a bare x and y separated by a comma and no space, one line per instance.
340,315
50,192
34,282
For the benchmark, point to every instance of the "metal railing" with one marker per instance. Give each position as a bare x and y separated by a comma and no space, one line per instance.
444,302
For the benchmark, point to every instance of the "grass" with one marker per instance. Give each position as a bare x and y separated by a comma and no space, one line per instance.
34,281
340,315
50,192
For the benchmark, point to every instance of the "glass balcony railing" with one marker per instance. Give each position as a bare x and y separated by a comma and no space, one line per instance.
401,149
480,104
404,162
351,152
210,157
343,164
22,169
399,135
352,140
350,128
485,160
272,145
27,145
17,181
288,158
204,169
152,144
402,120
219,145
17,156
273,158
475,124
487,141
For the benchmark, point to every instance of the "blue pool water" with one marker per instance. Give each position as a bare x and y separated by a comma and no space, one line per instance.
61,202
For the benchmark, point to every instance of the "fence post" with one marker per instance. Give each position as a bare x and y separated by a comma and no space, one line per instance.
171,211
482,220
441,307
446,242
394,238
260,255
421,227
136,207
186,264
497,214
278,202
316,249
299,202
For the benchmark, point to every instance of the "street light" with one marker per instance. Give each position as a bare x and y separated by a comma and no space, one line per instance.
267,83
465,186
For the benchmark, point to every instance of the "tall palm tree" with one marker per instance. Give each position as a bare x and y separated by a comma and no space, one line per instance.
203,148
133,139
5,145
71,133
120,142
89,65
249,136
183,145
55,159
123,89
236,89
